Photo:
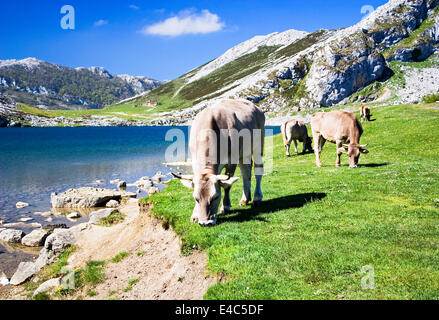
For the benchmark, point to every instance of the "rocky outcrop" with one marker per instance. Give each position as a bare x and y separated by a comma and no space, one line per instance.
87,197
49,285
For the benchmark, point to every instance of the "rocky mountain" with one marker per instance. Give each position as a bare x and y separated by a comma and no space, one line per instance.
50,86
295,70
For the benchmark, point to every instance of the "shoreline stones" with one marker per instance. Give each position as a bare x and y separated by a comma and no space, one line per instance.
112,204
24,272
74,215
4,281
12,235
51,284
87,197
96,216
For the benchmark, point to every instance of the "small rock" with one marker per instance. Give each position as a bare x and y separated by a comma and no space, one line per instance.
112,204
74,215
36,238
153,190
43,214
52,284
12,236
50,219
25,219
20,205
121,185
4,281
24,272
158,177
52,227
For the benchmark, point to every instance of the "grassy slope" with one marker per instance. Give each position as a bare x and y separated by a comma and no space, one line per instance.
319,227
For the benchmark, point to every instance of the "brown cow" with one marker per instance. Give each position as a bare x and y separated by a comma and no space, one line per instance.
341,128
295,130
365,113
237,126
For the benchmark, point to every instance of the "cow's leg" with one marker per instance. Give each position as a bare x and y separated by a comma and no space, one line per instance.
295,146
195,218
227,205
246,172
319,142
287,146
259,171
339,145
304,145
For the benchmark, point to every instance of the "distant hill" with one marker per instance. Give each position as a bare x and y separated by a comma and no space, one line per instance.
50,86
294,70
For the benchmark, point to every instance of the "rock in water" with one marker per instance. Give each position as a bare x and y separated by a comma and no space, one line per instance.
87,197
24,272
121,185
12,236
51,284
22,205
36,238
74,215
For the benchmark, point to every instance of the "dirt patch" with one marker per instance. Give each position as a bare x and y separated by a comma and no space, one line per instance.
155,266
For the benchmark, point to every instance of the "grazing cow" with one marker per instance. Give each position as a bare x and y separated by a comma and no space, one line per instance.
341,128
293,130
224,135
365,113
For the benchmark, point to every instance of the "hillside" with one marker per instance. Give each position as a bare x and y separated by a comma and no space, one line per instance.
50,86
304,71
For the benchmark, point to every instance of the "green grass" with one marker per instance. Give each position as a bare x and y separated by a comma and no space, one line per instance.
319,226
130,285
140,253
93,274
114,218
119,257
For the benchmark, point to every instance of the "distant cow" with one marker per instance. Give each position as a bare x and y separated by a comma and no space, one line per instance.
341,128
365,113
295,130
225,124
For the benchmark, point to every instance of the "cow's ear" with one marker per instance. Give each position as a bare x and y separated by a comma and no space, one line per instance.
187,181
364,150
229,182
342,150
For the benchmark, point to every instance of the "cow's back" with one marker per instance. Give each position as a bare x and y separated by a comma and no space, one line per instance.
336,125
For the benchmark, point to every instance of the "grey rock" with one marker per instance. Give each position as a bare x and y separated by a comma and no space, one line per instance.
51,227
36,238
25,271
12,235
87,197
96,216
74,215
4,281
49,285
121,184
22,205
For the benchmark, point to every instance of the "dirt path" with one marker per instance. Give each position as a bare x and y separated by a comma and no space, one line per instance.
155,262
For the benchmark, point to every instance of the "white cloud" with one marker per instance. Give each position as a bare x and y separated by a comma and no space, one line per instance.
186,22
134,7
100,23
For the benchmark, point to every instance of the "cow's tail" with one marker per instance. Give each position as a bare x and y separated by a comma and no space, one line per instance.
284,133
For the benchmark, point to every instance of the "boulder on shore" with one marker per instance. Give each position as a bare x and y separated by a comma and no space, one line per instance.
51,284
87,197
96,216
12,235
24,272
112,204
36,238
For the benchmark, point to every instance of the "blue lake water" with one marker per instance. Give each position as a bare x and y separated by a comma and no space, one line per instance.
34,162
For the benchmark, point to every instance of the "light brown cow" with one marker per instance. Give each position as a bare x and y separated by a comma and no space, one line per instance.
365,113
295,130
341,128
227,134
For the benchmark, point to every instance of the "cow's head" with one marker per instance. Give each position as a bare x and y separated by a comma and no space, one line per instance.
207,194
354,151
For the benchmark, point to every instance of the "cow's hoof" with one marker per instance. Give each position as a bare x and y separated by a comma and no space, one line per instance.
337,165
257,203
209,223
243,203
319,165
225,210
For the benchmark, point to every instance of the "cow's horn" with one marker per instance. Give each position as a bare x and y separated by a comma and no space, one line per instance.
363,145
183,177
223,177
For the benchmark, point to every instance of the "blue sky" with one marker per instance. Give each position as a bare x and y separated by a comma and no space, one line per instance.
159,39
